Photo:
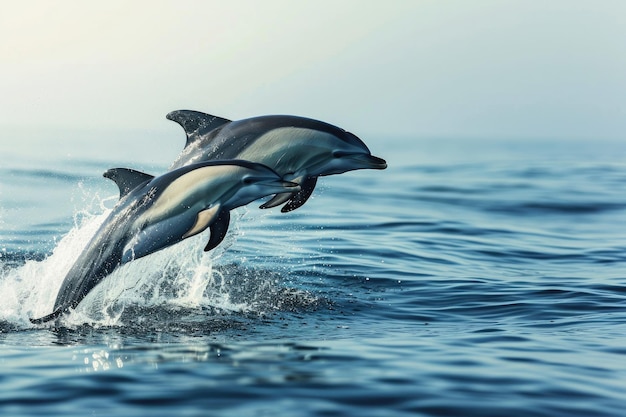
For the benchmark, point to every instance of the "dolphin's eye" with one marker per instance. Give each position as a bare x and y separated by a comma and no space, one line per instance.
339,154
248,180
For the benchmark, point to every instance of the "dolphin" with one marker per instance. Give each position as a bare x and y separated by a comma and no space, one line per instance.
156,212
297,148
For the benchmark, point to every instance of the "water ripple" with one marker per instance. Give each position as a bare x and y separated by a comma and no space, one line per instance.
446,285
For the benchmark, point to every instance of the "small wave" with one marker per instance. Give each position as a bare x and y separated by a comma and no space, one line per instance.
515,207
65,176
555,207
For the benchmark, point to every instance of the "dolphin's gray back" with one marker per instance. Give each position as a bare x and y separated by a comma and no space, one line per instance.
229,140
218,139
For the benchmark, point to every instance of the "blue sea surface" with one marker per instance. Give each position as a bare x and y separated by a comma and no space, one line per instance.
470,278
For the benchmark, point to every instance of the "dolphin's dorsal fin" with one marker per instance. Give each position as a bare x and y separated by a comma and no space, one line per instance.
218,230
195,123
127,179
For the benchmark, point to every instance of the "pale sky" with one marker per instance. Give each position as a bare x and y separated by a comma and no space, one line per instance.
481,68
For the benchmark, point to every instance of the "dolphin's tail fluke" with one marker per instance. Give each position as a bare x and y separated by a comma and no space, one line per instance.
55,314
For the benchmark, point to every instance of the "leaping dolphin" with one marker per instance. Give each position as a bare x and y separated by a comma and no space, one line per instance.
297,148
154,213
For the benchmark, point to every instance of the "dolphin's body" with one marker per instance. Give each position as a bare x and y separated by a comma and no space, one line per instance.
154,213
297,148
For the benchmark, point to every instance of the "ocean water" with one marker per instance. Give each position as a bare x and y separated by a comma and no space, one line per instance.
470,278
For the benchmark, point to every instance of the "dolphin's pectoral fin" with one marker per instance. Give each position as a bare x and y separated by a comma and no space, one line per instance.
127,179
195,123
277,200
218,230
55,314
306,189
203,220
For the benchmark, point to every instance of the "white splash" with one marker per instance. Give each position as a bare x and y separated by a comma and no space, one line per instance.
30,290
179,275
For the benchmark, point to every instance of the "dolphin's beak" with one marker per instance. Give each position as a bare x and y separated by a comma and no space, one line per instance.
367,161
